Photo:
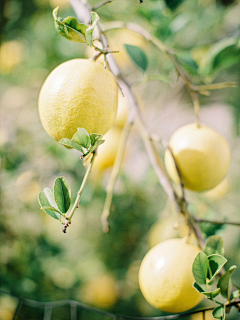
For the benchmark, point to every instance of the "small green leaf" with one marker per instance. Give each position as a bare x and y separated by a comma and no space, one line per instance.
216,262
46,199
138,56
221,55
219,312
209,294
94,137
72,144
199,288
224,283
235,294
70,28
212,294
98,143
200,268
89,31
214,245
62,194
82,138
51,208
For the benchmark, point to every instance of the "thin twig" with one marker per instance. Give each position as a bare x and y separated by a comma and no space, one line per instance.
80,191
101,4
234,223
114,175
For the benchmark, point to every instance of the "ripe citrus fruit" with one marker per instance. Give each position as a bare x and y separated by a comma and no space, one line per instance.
165,276
107,152
78,94
202,156
122,113
101,291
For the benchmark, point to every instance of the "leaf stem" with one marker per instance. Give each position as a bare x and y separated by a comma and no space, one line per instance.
80,191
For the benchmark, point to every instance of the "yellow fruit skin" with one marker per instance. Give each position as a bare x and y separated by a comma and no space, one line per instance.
199,316
165,276
202,155
108,150
78,94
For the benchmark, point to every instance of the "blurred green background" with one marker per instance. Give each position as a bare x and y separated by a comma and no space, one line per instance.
38,261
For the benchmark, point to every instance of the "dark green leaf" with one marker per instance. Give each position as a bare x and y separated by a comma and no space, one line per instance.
70,28
224,283
173,4
98,143
200,268
216,262
214,245
235,294
188,63
62,194
82,138
199,288
46,199
223,54
72,144
219,312
89,31
94,137
138,56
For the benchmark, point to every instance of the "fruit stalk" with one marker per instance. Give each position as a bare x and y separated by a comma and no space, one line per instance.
80,191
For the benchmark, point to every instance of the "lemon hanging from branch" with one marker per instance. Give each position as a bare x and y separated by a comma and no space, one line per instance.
79,93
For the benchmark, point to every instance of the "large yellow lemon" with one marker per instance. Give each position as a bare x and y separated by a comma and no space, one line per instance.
78,94
199,316
202,156
165,276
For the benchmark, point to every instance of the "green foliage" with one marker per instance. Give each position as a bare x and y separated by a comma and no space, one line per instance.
71,29
138,56
83,141
205,268
56,204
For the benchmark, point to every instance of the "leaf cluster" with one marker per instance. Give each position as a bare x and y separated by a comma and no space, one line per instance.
56,204
206,266
71,29
83,141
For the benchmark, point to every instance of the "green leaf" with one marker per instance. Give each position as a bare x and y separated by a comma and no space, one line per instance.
225,283
216,262
219,312
98,143
173,4
94,137
138,56
187,62
200,268
46,199
209,294
223,54
214,245
89,31
51,208
72,144
235,294
82,138
62,194
70,28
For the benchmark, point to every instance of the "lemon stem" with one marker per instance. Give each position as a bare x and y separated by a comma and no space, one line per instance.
80,191
114,175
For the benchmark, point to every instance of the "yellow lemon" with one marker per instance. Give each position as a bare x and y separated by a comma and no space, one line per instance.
202,156
108,150
101,291
122,113
165,276
219,191
79,93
